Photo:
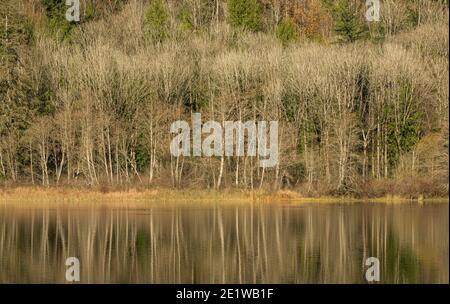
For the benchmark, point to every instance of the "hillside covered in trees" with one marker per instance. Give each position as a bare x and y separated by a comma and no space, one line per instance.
362,106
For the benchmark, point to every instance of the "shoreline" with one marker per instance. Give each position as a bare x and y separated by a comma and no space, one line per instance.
59,196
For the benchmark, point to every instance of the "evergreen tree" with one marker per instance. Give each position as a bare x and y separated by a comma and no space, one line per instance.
55,11
245,14
347,27
185,19
285,31
156,23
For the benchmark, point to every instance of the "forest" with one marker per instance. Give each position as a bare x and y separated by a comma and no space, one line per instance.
362,106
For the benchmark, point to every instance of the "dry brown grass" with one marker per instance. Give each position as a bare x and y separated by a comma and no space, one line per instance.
37,197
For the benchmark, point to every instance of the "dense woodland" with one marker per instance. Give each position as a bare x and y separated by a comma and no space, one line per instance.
362,106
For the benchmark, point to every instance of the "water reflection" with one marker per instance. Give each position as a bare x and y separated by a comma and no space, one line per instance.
307,244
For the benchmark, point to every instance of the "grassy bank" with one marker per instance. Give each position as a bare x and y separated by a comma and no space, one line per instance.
37,196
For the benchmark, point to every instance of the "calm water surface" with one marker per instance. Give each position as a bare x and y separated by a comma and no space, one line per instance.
266,244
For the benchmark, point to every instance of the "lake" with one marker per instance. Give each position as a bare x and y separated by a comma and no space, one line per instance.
309,243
